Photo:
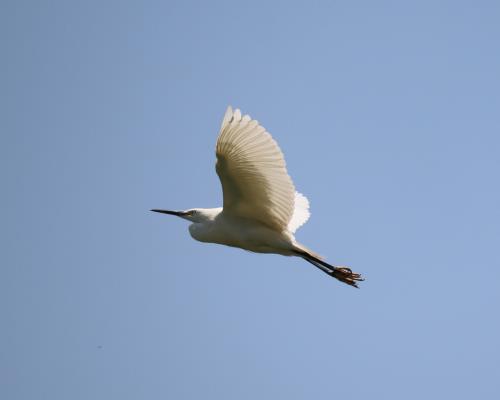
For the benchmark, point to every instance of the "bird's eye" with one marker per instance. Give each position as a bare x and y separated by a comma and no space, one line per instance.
192,212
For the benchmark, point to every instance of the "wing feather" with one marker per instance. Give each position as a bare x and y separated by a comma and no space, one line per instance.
300,213
253,174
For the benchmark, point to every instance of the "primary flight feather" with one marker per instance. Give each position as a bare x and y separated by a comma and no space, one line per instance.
261,208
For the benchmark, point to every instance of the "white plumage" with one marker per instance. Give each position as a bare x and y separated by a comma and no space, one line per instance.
300,212
261,208
252,170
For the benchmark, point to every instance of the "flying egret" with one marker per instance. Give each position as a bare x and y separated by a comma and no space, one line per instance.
261,209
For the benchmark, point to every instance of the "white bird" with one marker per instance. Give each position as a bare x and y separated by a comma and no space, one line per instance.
261,209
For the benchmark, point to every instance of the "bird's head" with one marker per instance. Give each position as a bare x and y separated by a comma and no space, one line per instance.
194,214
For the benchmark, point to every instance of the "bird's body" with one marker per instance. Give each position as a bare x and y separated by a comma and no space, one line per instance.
261,209
241,232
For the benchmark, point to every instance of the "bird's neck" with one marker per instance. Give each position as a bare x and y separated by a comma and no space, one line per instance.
208,214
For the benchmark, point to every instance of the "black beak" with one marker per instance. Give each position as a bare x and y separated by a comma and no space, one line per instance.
178,213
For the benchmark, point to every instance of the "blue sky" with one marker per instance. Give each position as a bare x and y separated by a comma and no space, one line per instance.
388,114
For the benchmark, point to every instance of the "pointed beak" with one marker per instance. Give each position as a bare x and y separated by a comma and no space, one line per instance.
177,213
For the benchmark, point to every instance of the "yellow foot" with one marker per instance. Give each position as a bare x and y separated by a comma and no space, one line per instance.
345,275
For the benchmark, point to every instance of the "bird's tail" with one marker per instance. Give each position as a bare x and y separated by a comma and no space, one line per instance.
343,274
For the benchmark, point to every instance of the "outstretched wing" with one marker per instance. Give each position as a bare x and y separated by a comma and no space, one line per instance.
252,170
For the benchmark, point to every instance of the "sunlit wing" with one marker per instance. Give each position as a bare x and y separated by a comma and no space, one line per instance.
300,213
252,170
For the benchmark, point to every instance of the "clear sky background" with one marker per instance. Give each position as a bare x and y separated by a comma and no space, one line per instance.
388,113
